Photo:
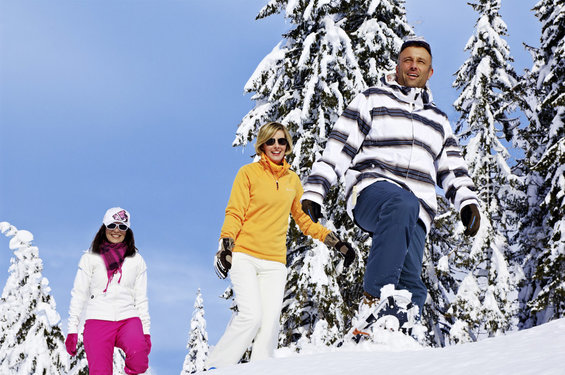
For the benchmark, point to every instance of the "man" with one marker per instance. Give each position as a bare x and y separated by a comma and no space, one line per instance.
393,145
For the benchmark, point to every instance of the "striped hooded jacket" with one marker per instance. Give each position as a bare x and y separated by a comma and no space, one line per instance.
394,133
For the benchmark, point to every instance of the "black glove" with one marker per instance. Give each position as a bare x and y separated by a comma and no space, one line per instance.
344,248
222,259
312,209
471,219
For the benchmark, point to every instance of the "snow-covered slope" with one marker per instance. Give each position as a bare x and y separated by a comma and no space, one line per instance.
539,350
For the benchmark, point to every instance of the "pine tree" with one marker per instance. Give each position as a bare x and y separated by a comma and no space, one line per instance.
542,235
441,273
197,340
486,80
377,29
308,291
305,83
31,341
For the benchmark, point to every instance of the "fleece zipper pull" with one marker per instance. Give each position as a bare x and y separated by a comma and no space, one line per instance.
277,182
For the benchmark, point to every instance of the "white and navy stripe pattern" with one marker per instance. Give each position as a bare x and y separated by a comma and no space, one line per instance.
393,133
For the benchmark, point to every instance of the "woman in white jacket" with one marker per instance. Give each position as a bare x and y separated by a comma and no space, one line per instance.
110,288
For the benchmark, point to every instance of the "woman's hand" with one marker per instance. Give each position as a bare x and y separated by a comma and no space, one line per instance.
312,209
332,240
71,344
222,259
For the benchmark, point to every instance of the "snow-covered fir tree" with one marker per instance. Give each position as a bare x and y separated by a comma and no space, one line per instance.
438,272
197,339
486,300
542,230
377,29
309,290
31,340
305,82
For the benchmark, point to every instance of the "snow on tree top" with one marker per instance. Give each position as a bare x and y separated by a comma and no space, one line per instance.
21,238
8,229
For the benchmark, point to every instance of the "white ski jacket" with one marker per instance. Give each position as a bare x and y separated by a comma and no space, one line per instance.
393,133
123,300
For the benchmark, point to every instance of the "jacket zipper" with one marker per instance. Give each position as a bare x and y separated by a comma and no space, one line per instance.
412,109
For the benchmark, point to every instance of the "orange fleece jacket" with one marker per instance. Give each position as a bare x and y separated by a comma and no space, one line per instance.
262,196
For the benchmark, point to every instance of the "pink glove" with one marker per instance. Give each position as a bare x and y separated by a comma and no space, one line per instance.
148,342
71,343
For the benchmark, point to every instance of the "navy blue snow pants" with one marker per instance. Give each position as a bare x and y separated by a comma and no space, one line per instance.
390,213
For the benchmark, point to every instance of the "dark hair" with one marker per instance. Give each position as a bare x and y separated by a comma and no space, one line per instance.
101,237
416,42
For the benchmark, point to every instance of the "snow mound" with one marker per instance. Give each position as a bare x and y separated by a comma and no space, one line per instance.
538,350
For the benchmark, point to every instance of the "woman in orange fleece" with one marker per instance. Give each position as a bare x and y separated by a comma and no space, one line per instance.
253,246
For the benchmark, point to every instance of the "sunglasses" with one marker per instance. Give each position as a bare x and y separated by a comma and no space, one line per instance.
280,141
121,227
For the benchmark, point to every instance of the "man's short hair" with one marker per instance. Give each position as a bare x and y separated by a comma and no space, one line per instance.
415,41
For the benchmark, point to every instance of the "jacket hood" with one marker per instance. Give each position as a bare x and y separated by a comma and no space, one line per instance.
417,95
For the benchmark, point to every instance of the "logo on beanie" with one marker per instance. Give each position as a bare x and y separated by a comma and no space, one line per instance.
121,216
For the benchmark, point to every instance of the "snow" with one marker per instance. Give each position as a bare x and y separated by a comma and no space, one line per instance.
46,313
271,59
21,238
7,229
538,350
443,264
30,332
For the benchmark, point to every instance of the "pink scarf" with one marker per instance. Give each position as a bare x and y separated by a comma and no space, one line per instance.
113,255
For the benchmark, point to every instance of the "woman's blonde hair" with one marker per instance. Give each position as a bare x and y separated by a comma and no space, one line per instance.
267,131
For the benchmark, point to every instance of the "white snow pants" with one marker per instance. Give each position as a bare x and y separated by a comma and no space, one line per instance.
258,285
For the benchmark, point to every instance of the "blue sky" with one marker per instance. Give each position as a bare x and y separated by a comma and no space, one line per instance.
135,103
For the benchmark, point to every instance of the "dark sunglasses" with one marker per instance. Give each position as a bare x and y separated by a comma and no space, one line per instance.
121,227
280,141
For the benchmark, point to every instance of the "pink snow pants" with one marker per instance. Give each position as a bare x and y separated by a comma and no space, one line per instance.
100,338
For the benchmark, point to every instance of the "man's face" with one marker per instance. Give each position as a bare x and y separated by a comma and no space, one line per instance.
414,67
